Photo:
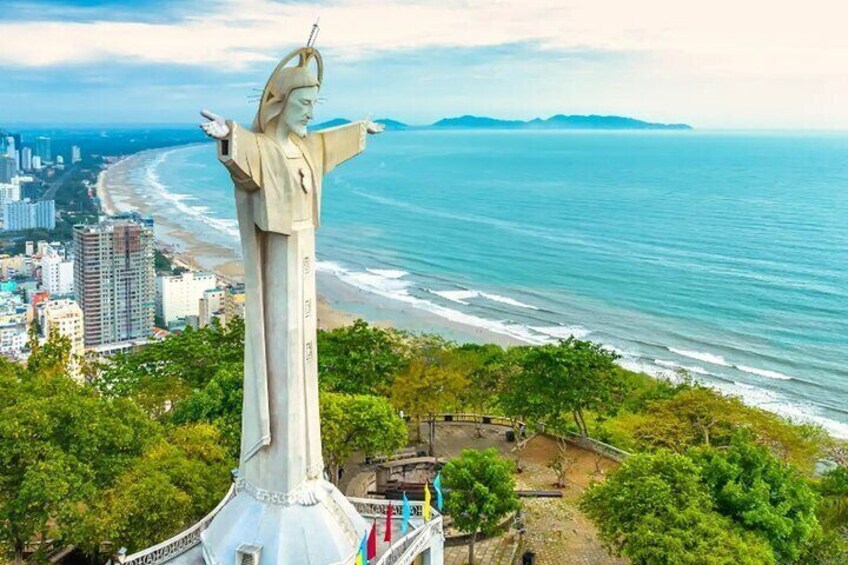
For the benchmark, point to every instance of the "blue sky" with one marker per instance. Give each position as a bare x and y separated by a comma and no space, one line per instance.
722,64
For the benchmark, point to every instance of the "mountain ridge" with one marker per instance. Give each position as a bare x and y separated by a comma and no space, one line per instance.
557,121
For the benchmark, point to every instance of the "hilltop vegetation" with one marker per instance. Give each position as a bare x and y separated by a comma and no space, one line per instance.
144,447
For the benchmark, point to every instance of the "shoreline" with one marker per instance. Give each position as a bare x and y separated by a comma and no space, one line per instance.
338,304
341,302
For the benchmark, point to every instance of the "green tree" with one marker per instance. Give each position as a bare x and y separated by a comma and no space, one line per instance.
695,415
833,510
176,482
358,359
654,509
60,443
218,403
430,384
761,494
486,368
358,422
165,372
566,379
479,492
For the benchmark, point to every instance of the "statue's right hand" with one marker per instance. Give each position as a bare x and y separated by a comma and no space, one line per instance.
216,127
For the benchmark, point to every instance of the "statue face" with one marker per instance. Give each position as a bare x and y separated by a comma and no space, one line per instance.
299,109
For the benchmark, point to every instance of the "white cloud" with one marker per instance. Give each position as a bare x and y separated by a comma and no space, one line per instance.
721,37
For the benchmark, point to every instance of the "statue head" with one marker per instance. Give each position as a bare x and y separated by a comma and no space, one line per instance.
291,93
300,105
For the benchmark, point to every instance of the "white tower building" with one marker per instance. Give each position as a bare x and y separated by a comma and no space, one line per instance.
178,296
57,272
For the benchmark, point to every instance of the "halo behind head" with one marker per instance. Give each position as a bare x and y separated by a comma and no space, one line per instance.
285,79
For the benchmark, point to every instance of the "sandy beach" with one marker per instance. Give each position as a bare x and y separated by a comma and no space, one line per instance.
339,304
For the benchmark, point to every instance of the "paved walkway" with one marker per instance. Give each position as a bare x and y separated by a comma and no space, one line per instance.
495,551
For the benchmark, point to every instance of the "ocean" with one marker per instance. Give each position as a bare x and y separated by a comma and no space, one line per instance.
724,254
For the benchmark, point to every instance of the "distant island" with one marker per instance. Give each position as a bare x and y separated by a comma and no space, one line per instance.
559,121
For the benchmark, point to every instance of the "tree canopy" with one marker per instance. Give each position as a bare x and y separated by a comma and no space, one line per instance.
165,372
655,509
761,494
65,451
560,381
358,422
359,359
480,492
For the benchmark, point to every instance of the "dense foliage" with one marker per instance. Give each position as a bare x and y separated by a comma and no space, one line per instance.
144,447
480,491
655,509
358,423
749,485
359,359
558,381
65,451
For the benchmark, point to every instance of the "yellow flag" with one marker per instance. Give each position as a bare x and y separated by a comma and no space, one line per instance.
426,511
359,558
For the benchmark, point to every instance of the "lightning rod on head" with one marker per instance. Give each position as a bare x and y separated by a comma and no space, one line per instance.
313,34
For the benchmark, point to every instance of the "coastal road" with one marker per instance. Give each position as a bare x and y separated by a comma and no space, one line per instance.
54,184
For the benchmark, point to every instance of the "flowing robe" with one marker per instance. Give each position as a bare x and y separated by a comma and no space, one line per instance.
278,199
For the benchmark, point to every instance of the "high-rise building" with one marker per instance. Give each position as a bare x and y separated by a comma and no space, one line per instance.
15,317
36,163
114,279
26,159
9,146
76,155
65,318
178,296
57,272
8,168
233,303
9,192
26,215
42,149
210,306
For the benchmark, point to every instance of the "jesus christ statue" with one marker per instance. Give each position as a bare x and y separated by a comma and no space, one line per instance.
277,168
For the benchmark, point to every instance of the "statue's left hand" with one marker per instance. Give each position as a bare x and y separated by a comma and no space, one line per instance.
374,127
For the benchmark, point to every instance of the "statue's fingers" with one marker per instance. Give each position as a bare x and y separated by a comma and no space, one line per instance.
210,116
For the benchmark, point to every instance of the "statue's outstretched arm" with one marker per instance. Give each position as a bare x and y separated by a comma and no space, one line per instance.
343,142
238,150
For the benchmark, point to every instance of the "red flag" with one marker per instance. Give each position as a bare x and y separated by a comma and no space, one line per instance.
389,512
372,541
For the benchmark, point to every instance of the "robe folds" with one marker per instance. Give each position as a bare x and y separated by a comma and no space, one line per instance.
278,201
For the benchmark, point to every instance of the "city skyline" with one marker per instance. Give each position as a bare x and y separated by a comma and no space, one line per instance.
725,65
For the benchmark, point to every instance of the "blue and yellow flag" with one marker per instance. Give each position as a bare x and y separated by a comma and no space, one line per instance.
407,514
437,484
362,554
426,509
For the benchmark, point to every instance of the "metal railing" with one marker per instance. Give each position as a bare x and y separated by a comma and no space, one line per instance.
178,544
585,442
597,446
407,548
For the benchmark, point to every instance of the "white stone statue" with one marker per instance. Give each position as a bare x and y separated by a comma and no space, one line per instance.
277,169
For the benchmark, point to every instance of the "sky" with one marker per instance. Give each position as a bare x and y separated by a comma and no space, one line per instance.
724,64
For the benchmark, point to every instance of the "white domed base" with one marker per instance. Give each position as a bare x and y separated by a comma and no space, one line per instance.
321,528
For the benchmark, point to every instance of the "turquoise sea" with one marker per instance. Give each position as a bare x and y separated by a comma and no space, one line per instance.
722,253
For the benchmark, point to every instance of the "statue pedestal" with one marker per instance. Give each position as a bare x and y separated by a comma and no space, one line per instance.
315,524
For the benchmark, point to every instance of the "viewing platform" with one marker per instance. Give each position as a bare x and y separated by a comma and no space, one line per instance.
422,544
